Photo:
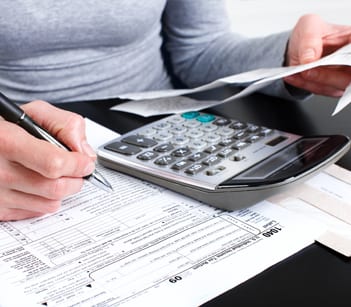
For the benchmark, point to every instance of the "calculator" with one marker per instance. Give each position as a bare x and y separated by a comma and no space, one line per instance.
223,162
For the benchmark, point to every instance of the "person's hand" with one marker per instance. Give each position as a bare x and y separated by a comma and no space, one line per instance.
34,174
311,39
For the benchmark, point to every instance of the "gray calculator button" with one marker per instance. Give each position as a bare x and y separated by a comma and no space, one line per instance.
123,148
226,152
240,145
197,156
181,152
194,133
238,157
226,142
215,171
253,138
212,160
222,121
164,147
192,124
147,132
181,164
147,155
225,132
196,168
265,131
165,160
240,135
139,140
238,125
212,138
213,148
208,128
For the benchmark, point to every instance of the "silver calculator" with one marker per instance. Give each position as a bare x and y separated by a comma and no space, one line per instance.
224,162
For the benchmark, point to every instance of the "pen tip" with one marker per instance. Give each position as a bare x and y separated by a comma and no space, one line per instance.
98,180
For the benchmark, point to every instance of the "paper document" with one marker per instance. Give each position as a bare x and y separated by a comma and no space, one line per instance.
144,103
326,198
142,245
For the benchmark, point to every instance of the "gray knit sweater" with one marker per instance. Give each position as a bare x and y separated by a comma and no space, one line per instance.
66,50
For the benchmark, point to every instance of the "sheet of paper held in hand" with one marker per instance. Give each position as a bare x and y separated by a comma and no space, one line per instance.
141,245
156,102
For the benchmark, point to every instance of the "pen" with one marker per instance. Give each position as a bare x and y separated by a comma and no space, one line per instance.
13,113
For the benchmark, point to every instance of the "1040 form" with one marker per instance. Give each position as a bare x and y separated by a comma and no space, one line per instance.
224,162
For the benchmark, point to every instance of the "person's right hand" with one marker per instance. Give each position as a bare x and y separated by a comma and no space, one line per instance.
36,175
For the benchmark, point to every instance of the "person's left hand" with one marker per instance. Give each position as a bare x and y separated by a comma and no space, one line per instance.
311,39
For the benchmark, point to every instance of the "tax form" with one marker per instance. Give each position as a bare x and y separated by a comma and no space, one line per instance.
159,102
142,245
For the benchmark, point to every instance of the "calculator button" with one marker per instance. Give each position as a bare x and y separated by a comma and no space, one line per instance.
238,157
162,126
225,132
212,149
181,164
196,168
265,131
123,148
197,156
240,135
198,144
176,120
238,125
190,115
194,133
226,152
181,152
192,124
178,129
212,138
147,155
212,160
253,128
139,141
165,160
222,121
148,132
163,136
226,142
253,138
205,118
180,140
215,171
240,145
164,147
208,128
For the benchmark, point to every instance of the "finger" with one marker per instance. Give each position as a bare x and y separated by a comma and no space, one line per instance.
14,176
310,44
313,87
12,199
7,214
67,126
337,78
41,156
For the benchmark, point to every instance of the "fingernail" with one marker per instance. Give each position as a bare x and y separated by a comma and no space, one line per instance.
88,149
308,55
89,168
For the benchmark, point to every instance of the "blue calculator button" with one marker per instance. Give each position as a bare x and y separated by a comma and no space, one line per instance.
190,115
205,118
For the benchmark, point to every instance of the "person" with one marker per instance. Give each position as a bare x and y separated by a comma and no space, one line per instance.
60,51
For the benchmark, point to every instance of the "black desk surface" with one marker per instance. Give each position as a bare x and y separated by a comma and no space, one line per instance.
316,276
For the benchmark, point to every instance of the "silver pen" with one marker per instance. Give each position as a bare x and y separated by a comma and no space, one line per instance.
13,113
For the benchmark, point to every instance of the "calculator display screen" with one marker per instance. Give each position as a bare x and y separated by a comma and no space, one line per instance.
291,161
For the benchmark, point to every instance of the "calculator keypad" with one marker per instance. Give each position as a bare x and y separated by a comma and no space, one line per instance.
195,143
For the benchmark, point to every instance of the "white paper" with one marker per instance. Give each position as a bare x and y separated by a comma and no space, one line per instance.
326,198
143,245
145,105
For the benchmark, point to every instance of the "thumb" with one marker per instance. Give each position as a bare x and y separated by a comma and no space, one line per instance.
310,45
